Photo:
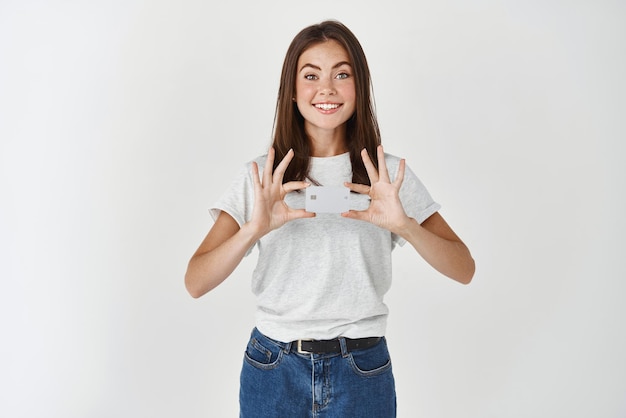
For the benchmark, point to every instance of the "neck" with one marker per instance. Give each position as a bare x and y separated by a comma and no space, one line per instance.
328,143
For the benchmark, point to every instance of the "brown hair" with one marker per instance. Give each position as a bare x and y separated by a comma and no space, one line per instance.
362,128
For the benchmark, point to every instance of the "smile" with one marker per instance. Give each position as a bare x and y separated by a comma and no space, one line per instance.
327,106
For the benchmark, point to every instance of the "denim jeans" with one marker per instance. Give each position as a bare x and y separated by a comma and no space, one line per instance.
279,382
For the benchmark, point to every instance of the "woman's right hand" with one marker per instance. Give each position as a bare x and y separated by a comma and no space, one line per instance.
226,243
270,210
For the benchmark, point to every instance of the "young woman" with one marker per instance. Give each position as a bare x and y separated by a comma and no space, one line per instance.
319,348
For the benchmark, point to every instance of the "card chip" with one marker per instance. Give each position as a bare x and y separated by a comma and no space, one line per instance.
327,199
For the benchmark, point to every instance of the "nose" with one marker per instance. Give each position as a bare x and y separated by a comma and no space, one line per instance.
327,88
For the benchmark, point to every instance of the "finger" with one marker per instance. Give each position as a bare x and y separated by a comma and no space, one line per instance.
369,166
358,188
282,166
255,174
400,174
382,164
355,214
300,213
295,185
269,166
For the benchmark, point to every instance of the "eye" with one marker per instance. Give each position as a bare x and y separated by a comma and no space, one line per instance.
342,76
310,77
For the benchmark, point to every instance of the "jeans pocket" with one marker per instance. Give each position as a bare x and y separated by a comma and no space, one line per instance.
372,361
263,355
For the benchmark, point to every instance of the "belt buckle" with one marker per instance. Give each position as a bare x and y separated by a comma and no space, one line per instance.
299,346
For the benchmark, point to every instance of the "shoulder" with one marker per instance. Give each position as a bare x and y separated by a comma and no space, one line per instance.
259,160
392,161
243,175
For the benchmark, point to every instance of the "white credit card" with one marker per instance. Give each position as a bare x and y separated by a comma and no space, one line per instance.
327,199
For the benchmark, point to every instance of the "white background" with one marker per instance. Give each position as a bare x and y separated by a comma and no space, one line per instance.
121,122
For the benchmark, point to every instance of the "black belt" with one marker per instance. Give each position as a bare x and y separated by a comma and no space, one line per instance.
333,346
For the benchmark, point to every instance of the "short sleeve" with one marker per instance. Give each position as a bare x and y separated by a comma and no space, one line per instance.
238,199
416,200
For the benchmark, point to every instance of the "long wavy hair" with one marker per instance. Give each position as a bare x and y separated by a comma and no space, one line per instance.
362,129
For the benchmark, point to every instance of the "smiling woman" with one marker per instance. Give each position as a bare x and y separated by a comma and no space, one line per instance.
360,130
325,96
319,343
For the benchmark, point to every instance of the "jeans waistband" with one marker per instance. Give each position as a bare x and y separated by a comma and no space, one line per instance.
334,346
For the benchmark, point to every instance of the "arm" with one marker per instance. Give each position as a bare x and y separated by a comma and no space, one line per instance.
219,254
434,240
437,243
226,243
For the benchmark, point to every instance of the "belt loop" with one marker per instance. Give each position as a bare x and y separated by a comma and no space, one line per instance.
344,347
287,347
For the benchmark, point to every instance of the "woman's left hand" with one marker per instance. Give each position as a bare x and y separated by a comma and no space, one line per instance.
385,209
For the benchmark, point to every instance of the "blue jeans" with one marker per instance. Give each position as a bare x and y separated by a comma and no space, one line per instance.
279,382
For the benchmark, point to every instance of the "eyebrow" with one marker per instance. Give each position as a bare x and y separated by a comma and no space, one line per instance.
315,67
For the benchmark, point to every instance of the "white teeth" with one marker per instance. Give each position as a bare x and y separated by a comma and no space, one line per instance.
326,106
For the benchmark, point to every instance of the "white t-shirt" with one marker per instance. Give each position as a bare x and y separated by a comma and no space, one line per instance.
326,276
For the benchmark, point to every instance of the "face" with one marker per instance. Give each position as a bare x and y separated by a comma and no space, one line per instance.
325,92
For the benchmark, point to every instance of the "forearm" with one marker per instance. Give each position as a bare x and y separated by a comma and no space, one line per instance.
207,269
448,256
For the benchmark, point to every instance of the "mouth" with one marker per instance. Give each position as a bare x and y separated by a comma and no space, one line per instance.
327,106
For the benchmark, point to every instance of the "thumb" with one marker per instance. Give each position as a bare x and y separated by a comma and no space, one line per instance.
355,214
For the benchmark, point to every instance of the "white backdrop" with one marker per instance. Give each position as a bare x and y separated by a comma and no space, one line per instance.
122,121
